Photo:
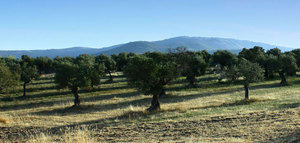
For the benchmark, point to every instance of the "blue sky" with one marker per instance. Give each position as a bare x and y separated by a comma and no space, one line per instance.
53,24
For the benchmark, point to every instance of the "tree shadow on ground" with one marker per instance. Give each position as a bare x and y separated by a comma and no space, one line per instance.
33,96
236,103
51,103
293,137
91,108
120,105
291,105
296,82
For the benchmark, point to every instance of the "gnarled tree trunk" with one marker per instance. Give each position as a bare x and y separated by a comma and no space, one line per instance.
76,96
246,87
155,105
283,79
191,79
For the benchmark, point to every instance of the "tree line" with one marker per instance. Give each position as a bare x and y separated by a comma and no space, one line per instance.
152,71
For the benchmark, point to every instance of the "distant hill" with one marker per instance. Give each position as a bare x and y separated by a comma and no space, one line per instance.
73,52
211,44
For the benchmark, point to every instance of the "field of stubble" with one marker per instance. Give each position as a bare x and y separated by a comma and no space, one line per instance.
114,112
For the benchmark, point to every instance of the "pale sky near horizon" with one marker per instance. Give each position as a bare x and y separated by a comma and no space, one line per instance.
53,24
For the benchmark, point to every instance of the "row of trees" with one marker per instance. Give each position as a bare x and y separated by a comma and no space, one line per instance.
152,71
13,71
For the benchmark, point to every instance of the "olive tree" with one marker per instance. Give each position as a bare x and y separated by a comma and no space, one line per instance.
45,65
150,76
191,65
28,72
81,73
297,56
91,68
254,55
224,58
110,65
7,78
286,64
121,61
249,72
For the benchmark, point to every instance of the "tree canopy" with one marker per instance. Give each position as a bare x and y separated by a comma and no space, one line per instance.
150,76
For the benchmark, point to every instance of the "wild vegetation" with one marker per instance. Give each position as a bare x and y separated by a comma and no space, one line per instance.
196,97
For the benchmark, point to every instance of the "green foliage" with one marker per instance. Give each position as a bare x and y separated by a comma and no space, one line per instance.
13,64
287,64
274,52
84,72
88,66
58,60
270,65
231,73
121,60
7,78
191,65
283,64
110,64
28,71
45,65
205,55
297,56
70,75
150,76
224,58
250,72
254,55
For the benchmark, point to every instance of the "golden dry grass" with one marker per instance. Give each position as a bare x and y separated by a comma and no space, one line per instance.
114,112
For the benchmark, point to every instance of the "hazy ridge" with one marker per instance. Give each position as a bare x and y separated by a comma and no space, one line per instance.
210,44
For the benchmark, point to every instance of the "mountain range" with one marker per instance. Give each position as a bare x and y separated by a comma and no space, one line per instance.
211,44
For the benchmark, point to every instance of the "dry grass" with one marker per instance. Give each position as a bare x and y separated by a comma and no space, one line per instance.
4,121
114,112
80,135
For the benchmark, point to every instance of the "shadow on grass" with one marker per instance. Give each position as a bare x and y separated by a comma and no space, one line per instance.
236,103
292,137
291,105
296,82
33,96
91,108
51,103
120,105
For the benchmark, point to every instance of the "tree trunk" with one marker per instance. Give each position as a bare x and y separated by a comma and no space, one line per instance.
162,93
283,79
155,105
76,100
110,77
246,87
266,74
24,89
191,80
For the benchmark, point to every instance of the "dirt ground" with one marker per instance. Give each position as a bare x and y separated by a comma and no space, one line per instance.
274,126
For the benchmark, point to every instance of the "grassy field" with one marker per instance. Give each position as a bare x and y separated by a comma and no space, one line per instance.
114,112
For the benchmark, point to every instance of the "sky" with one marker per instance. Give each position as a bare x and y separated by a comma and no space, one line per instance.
55,24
